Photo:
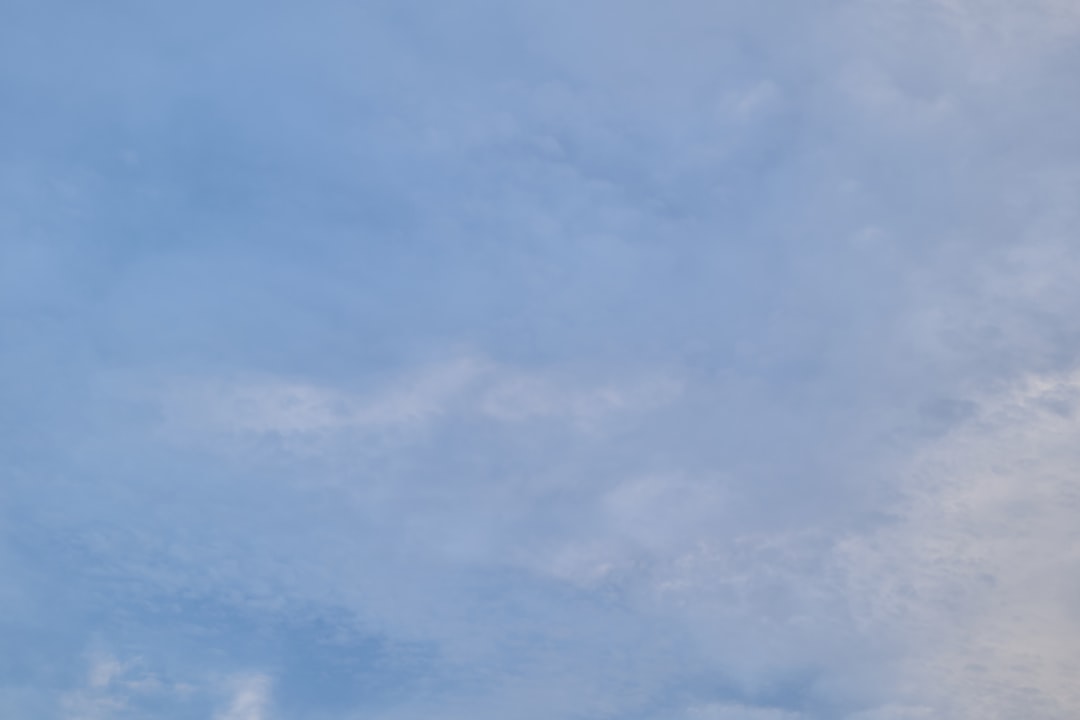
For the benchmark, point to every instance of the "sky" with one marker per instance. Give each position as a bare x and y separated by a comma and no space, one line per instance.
538,360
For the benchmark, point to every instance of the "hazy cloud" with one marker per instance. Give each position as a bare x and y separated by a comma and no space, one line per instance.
617,360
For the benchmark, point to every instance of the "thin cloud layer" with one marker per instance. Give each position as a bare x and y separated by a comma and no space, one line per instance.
979,575
697,360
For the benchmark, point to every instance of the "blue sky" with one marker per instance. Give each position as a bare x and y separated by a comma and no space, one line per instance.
570,361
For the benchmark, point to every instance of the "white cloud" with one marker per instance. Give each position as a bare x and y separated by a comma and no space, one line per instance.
410,402
1010,25
897,712
250,698
104,669
740,712
977,581
102,696
516,396
116,688
295,407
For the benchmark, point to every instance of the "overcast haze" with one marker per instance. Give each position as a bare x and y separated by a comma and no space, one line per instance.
538,360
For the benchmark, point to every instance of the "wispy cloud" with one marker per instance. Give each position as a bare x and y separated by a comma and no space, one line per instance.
250,699
408,402
977,577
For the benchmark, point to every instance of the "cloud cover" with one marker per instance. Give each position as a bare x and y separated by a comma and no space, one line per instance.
696,360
